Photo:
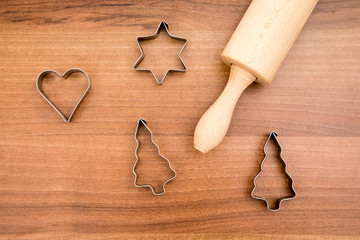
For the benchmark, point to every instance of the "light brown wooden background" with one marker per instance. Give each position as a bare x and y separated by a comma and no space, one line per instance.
74,180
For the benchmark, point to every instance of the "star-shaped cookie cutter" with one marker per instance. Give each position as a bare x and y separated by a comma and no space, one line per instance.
65,75
143,122
165,25
291,181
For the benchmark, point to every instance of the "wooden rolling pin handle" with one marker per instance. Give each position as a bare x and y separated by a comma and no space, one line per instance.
215,122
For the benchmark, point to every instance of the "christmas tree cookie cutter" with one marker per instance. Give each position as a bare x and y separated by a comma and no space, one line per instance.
139,124
164,25
291,181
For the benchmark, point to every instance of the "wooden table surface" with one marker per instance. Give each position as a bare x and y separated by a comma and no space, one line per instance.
74,180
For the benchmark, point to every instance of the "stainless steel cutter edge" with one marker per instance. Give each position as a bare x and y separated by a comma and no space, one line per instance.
65,75
153,36
143,122
280,200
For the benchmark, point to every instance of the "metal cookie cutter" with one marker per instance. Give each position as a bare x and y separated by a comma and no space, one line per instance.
143,122
165,25
40,80
291,181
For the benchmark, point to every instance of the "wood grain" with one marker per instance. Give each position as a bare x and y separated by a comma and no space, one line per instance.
74,180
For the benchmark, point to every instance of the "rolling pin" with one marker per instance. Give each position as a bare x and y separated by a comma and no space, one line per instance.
255,52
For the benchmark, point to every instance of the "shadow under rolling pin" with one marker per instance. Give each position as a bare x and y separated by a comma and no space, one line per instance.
255,52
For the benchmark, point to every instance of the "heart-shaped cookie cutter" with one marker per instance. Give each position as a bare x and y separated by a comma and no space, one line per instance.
44,74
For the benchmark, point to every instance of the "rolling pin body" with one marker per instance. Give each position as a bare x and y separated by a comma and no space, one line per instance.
255,52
